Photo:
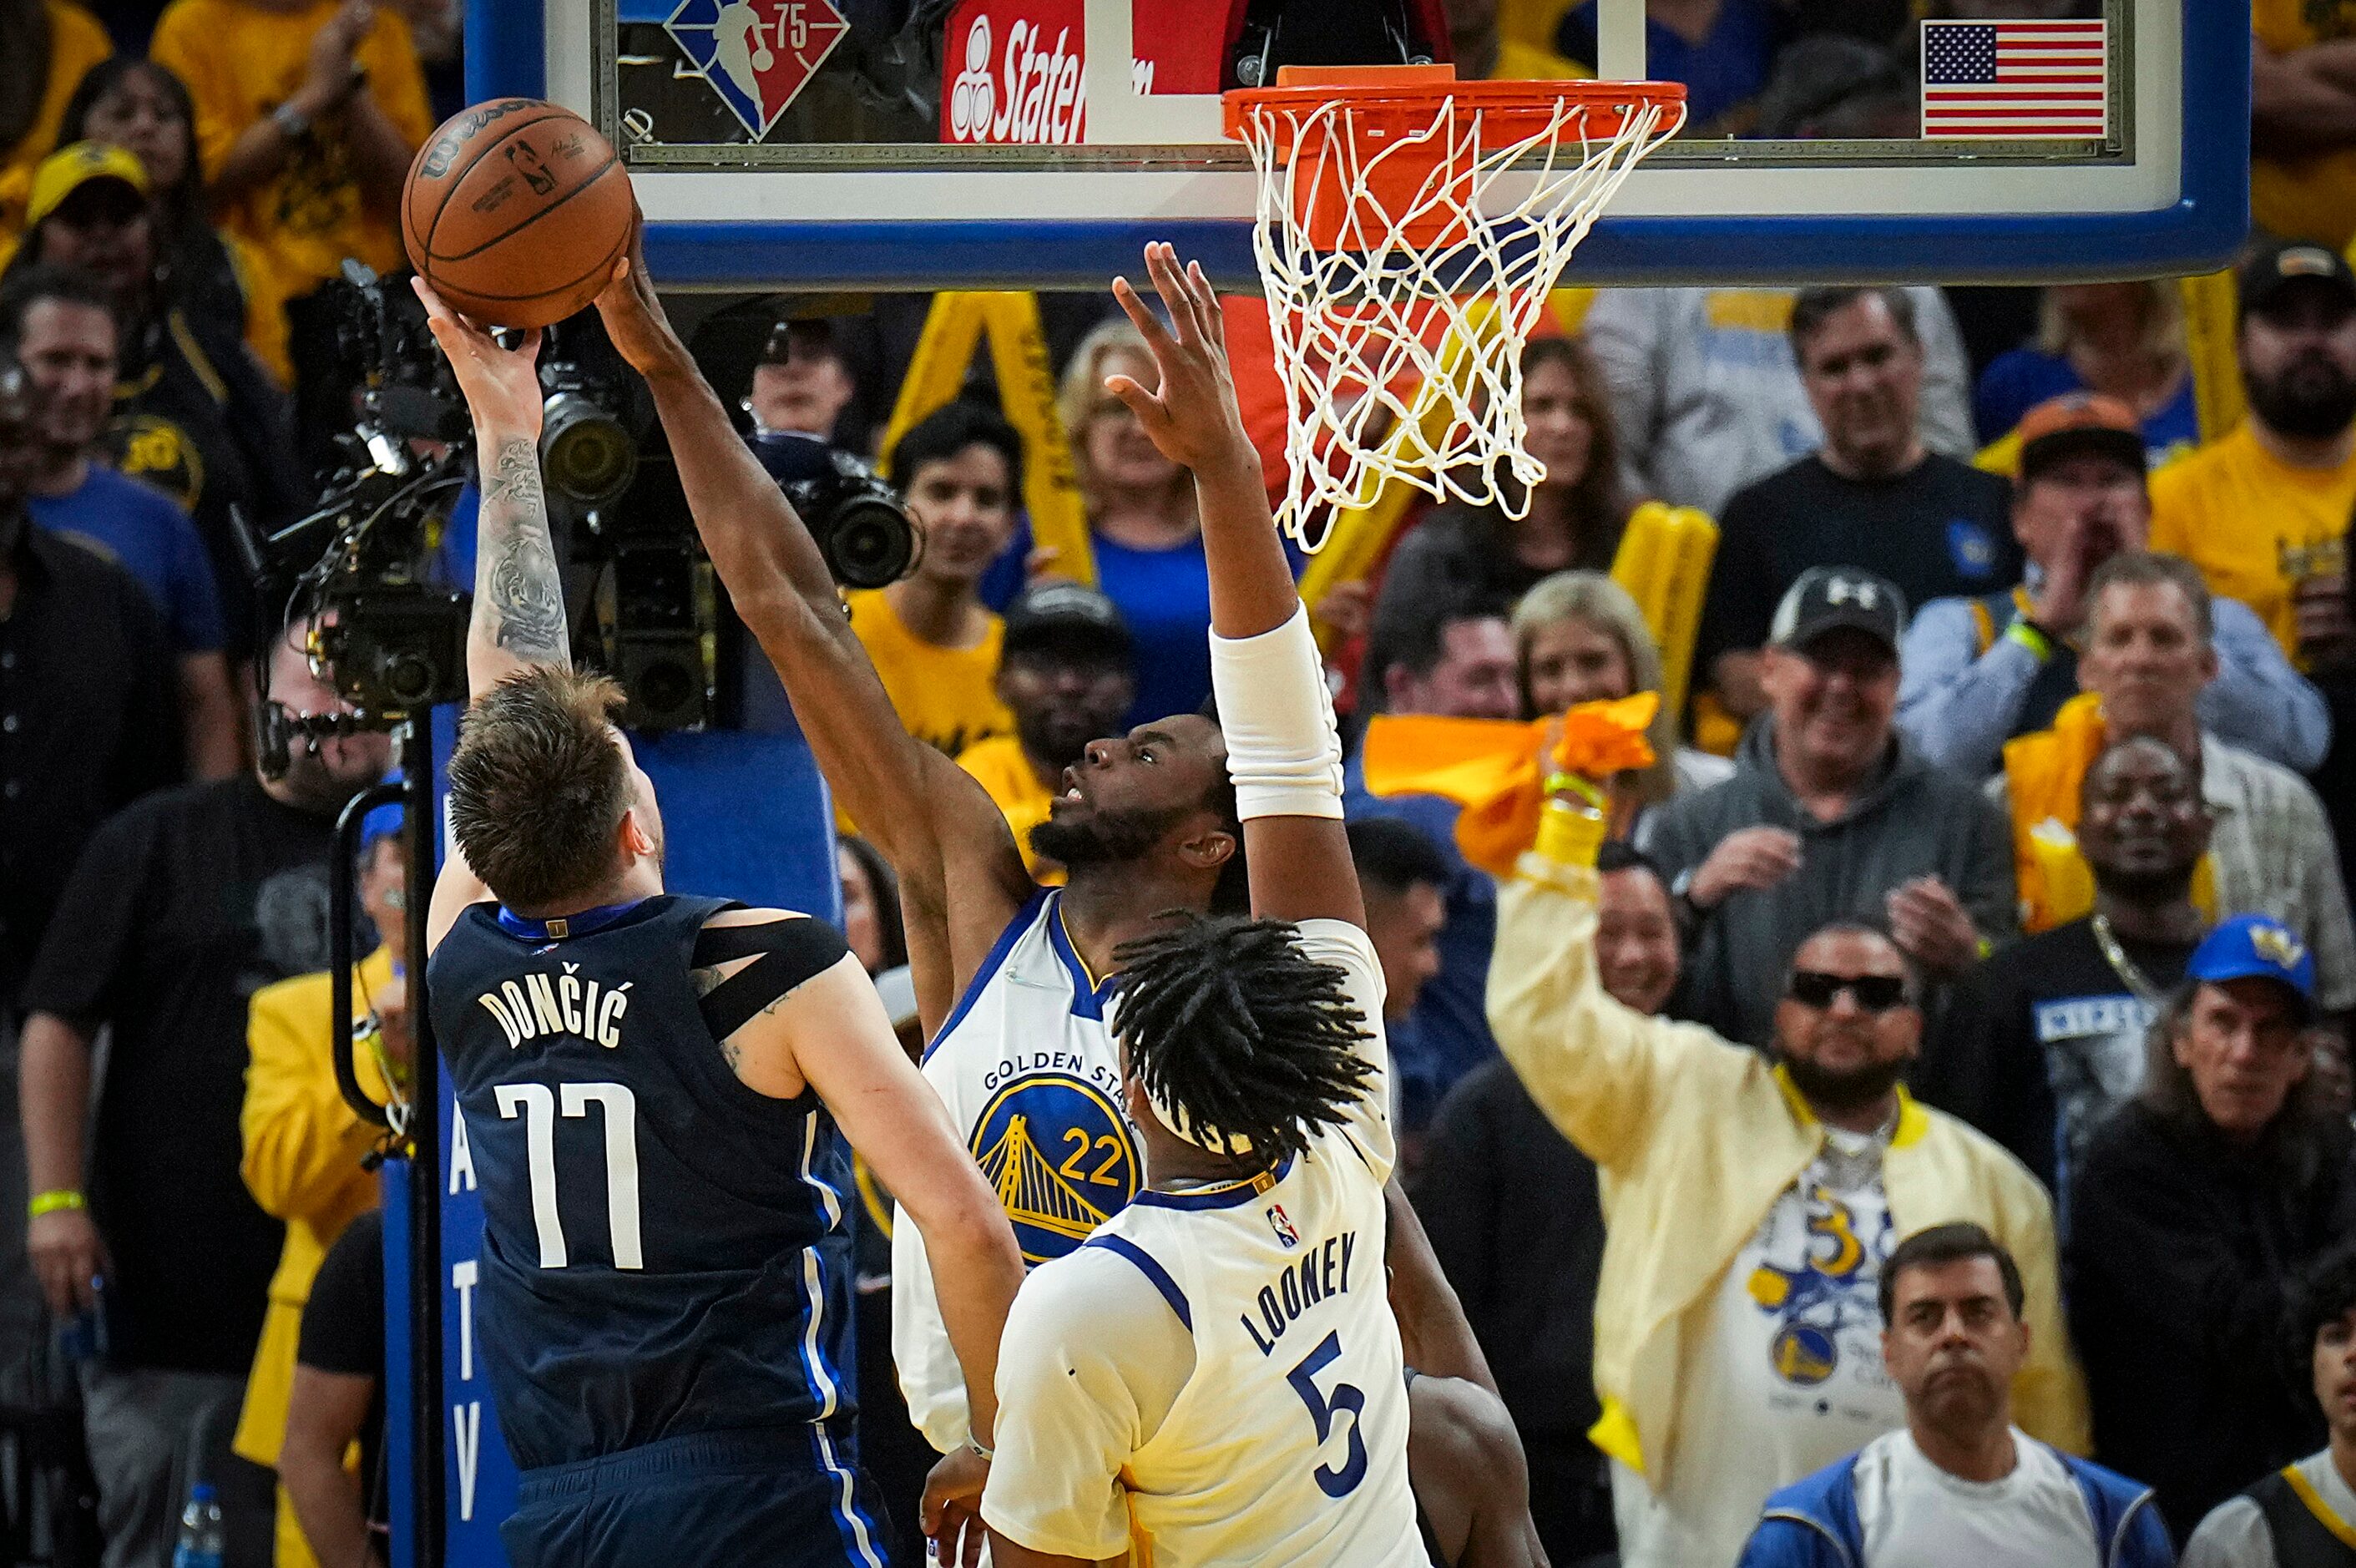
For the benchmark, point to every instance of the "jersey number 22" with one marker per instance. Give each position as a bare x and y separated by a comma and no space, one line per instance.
538,1106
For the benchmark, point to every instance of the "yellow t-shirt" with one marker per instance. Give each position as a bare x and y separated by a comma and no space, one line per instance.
2312,197
2255,526
947,697
77,42
240,62
1518,61
1008,776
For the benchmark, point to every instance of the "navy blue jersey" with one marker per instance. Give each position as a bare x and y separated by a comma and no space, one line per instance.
665,1249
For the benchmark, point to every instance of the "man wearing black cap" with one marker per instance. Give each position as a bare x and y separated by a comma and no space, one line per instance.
1978,672
1830,814
2264,512
1067,674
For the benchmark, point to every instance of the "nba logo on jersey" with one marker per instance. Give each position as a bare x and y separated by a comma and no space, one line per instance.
1060,1157
757,55
1283,1226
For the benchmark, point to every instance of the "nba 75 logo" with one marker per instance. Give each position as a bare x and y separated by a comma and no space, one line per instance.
757,54
1283,1226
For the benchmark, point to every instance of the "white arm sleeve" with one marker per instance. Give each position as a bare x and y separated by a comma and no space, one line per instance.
1351,952
1277,715
1092,1359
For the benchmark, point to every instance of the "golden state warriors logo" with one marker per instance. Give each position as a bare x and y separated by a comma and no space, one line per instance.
2277,946
1826,1290
1060,1157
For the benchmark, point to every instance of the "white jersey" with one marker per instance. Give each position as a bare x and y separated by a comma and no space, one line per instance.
1031,1076
1216,1375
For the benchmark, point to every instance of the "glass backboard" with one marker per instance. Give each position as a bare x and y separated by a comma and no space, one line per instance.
1038,143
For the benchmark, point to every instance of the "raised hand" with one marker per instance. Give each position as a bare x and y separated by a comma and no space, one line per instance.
1752,859
1930,923
1192,415
501,385
634,317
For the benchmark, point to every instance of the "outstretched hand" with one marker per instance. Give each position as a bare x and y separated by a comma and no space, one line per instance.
501,385
634,317
1192,415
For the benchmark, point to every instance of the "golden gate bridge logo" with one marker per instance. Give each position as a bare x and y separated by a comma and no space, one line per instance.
1060,1158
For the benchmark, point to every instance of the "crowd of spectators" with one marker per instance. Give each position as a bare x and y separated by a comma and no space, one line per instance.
1914,1138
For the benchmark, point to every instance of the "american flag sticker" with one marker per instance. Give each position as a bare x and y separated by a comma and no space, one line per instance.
2014,79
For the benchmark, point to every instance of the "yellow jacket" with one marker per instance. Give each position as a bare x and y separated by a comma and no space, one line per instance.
2044,773
1696,1139
303,1152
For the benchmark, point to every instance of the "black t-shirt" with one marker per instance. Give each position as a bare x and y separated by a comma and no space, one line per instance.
2045,1040
182,908
1942,529
342,1332
90,719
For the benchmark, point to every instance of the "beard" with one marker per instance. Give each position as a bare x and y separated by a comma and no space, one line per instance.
1104,838
1853,1090
2161,887
2311,398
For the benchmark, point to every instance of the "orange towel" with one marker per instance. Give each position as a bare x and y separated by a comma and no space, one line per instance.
1492,766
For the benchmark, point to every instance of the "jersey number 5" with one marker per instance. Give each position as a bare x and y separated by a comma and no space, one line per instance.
1347,1398
538,1106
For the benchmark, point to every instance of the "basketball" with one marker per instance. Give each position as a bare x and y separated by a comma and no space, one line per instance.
516,211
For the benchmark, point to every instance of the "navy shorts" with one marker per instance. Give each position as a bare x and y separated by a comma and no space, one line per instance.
785,1498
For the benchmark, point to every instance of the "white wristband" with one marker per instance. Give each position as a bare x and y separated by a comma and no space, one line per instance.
1284,751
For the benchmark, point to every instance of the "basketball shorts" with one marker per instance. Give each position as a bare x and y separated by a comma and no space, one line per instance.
782,1498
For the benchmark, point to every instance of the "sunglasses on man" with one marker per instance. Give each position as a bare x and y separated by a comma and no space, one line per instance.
1871,993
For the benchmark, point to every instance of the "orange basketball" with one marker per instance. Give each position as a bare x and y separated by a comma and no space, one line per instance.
516,211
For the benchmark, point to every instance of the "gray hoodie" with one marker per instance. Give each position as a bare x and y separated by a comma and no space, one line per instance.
1915,820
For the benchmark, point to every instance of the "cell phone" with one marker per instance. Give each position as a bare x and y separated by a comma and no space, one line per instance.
85,1337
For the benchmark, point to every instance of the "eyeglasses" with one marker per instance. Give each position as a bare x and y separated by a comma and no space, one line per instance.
1872,992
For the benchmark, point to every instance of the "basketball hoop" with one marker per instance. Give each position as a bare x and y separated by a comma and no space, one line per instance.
1408,253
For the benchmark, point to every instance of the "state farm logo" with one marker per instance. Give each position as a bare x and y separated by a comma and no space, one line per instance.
1037,95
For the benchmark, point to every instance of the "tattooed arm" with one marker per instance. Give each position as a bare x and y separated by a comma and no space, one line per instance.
518,618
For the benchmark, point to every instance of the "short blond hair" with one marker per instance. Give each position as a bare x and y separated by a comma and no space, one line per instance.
539,786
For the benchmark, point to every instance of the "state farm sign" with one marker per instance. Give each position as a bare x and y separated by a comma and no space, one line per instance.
1011,72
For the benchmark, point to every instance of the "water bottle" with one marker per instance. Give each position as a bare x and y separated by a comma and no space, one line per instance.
200,1530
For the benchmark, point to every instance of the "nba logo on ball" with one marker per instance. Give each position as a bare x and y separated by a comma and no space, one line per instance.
757,54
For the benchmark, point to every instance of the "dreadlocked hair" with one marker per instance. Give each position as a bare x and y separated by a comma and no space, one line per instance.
1228,1020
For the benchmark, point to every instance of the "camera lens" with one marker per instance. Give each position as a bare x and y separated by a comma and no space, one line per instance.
587,455
409,677
869,543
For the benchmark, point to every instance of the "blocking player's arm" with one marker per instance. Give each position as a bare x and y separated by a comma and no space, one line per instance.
1433,1330
933,821
519,613
1299,864
829,1031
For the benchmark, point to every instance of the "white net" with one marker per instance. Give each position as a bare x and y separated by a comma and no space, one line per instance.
1412,268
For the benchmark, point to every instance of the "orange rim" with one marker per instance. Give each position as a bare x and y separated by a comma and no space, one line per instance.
1385,101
